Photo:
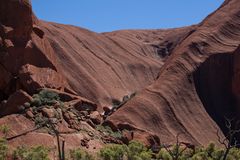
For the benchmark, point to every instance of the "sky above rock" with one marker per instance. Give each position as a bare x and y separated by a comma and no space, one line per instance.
109,15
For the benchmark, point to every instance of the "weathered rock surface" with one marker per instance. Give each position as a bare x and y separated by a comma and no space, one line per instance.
15,103
185,79
196,78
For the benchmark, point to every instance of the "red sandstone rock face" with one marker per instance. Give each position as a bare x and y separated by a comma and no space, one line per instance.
171,104
102,67
171,71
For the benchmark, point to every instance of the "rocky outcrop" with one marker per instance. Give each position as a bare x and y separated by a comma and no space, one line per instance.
203,60
15,103
107,66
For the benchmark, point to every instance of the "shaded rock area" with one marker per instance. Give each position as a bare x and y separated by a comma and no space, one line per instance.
15,103
99,88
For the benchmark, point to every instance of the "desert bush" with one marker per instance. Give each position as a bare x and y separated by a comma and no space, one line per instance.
113,152
211,152
34,153
79,154
137,151
163,155
45,97
5,129
134,151
3,149
108,131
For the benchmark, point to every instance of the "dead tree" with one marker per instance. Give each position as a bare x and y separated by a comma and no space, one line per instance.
229,141
178,150
61,149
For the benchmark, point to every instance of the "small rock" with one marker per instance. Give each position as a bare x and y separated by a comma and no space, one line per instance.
30,109
21,108
7,29
67,117
29,114
96,117
48,112
54,120
8,32
59,113
72,115
27,105
83,118
8,43
29,44
127,136
90,134
84,142
84,113
107,109
57,105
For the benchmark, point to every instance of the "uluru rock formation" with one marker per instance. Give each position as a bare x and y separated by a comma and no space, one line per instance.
153,83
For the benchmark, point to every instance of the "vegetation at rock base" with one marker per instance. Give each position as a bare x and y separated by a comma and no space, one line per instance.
3,149
34,153
45,97
45,108
133,151
136,151
79,154
108,131
5,129
113,151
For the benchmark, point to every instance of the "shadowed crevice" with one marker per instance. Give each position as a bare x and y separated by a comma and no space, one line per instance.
213,81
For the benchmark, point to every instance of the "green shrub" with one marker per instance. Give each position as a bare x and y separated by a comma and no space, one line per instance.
80,154
145,155
5,129
163,155
35,153
137,151
109,132
3,149
45,97
113,152
41,121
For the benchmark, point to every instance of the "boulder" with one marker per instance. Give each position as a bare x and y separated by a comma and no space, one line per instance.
34,78
29,114
96,117
48,112
14,103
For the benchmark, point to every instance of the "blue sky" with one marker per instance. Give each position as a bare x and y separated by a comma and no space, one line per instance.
109,15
